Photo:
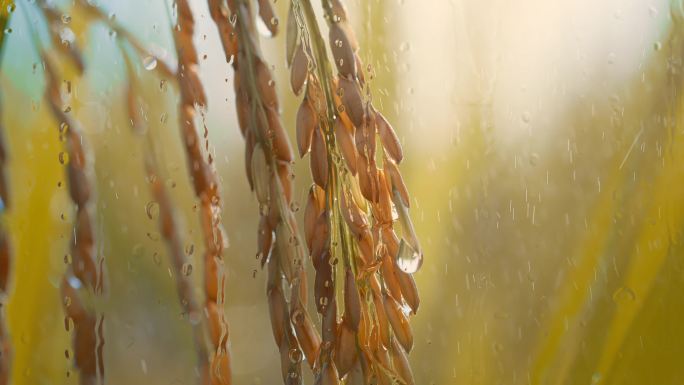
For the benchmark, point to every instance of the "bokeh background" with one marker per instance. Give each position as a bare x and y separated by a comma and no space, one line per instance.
544,146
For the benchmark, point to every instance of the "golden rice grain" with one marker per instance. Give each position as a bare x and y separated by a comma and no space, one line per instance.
344,136
352,302
346,351
319,159
307,122
342,51
399,322
300,64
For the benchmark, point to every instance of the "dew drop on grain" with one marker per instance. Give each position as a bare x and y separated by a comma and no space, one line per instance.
408,259
262,28
150,62
75,282
295,355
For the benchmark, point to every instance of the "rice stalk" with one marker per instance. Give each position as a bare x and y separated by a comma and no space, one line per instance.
206,189
352,207
169,227
268,160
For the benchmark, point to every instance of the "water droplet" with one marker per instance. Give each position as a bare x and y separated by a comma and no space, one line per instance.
63,157
294,206
624,295
150,63
66,19
295,355
152,209
75,282
262,28
408,260
195,317
68,323
657,46
187,269
67,36
189,248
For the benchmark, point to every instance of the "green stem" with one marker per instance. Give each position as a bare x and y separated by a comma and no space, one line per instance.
325,73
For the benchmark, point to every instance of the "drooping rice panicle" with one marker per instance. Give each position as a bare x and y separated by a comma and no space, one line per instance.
169,227
268,162
85,274
352,206
206,188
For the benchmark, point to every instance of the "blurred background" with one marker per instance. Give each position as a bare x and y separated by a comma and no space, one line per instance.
544,145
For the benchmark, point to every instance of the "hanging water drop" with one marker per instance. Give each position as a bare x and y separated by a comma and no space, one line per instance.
408,259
